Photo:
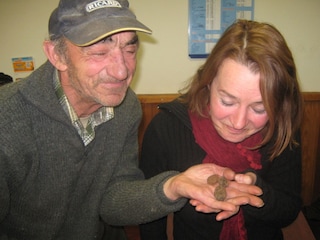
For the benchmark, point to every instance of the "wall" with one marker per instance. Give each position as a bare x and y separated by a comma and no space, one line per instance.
23,26
164,64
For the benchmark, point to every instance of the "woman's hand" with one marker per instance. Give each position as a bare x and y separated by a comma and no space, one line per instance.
192,184
246,178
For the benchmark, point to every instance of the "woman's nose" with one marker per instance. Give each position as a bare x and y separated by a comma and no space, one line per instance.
239,119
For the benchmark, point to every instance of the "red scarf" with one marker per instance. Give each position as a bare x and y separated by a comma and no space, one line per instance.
236,156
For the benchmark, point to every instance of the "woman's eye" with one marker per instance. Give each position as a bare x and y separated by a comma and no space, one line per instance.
226,103
259,111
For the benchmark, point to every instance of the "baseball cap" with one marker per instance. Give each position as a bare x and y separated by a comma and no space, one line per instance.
85,22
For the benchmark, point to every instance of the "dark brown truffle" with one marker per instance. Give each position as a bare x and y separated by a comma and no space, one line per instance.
213,179
220,192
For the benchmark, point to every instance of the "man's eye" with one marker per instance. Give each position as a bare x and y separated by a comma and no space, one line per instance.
99,53
130,50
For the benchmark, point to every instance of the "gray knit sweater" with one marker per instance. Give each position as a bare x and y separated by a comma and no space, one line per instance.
52,186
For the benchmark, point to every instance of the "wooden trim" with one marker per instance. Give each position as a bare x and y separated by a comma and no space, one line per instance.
311,96
157,98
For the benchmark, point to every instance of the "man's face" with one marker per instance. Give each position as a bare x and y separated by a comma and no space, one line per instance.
100,74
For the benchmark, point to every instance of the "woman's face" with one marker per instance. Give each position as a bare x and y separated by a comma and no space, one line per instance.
236,106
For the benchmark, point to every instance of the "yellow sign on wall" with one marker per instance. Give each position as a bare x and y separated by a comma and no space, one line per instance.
23,64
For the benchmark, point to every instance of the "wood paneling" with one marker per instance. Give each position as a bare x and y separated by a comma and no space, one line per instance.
310,132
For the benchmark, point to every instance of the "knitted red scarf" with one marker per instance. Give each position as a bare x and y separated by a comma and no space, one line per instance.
236,156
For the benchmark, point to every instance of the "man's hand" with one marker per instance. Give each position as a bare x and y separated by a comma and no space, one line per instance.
192,184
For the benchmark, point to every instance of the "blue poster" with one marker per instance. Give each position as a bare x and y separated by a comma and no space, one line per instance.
208,19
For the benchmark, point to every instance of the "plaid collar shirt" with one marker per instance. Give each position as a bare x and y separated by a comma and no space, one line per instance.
100,116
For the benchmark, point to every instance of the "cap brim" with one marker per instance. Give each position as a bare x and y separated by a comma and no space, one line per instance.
90,33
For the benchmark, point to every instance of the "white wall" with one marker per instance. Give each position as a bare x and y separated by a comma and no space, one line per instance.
23,25
164,64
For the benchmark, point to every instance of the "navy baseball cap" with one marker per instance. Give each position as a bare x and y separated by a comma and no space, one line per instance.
85,22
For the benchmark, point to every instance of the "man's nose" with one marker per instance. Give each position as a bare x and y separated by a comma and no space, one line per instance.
117,66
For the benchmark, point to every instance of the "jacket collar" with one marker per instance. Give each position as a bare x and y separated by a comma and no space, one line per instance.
38,89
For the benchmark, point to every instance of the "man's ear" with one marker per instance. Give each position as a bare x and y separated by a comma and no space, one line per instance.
56,59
